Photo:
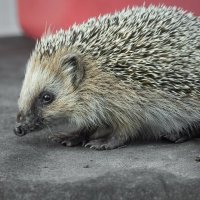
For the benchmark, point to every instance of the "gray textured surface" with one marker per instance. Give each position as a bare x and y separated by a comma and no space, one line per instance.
33,167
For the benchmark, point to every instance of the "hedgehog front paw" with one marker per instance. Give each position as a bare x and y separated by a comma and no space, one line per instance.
66,140
197,158
175,138
106,143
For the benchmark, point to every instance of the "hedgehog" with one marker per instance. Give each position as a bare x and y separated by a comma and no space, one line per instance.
116,78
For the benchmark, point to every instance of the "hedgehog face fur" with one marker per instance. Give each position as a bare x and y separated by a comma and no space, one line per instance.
133,73
41,98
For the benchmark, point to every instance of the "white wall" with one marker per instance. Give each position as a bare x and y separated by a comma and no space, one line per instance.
9,25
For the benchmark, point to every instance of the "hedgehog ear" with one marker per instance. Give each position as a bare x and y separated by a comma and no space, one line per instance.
73,66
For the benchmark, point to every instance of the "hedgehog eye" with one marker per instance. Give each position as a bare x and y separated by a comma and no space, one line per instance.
46,98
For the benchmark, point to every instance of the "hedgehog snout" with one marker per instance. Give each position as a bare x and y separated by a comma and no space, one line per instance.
27,123
19,130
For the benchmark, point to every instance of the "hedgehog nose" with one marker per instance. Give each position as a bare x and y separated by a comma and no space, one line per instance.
19,131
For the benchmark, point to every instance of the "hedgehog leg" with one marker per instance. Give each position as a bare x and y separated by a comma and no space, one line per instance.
108,143
176,138
72,141
197,158
67,140
75,138
186,134
101,133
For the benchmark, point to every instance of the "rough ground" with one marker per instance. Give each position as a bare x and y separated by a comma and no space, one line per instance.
32,167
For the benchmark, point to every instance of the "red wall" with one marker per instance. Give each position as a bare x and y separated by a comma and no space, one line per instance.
36,15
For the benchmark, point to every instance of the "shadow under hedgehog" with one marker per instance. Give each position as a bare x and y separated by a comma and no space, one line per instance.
132,74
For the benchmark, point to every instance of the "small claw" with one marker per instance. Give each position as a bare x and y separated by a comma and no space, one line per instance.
91,146
103,144
64,143
103,147
83,143
67,143
181,140
54,139
197,158
170,139
177,140
122,146
96,148
87,145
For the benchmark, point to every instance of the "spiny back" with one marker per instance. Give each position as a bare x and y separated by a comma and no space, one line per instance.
154,47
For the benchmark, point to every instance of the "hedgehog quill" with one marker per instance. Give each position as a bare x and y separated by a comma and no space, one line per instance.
135,73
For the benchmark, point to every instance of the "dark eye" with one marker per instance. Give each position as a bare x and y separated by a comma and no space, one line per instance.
46,98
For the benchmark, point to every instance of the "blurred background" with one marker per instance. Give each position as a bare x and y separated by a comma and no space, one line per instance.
32,17
9,24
